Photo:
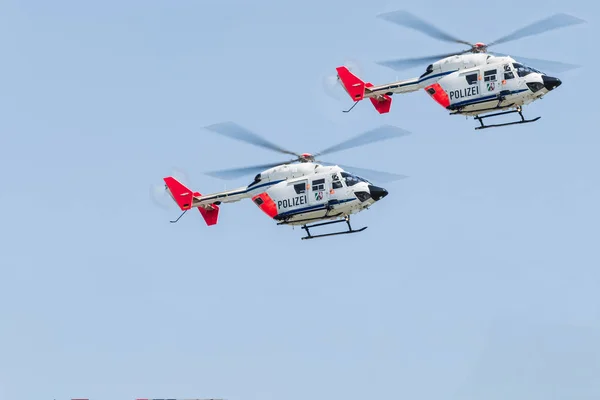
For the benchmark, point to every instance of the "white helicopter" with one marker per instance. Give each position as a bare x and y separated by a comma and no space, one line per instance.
297,191
473,82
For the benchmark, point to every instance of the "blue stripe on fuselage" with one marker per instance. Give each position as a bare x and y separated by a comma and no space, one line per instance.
483,99
316,207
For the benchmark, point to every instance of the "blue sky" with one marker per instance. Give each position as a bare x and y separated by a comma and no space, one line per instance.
477,277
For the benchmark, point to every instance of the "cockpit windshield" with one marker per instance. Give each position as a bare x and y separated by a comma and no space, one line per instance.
352,180
523,70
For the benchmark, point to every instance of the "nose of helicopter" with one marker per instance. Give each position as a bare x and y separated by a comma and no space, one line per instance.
377,193
550,82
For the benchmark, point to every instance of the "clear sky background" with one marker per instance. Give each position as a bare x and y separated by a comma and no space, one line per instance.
477,278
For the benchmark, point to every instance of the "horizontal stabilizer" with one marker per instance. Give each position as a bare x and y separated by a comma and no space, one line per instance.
382,103
210,214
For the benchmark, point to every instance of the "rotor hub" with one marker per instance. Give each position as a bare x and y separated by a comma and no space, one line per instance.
479,47
306,157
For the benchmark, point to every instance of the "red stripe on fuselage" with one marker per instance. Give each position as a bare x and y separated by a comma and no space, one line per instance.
265,203
438,94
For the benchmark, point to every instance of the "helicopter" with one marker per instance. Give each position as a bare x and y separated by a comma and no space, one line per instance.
471,82
297,191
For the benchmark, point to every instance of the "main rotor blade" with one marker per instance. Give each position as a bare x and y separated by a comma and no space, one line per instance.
383,132
406,63
555,21
409,20
243,171
542,65
370,174
235,131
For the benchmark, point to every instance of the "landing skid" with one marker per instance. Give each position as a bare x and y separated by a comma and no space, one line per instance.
308,219
518,110
346,220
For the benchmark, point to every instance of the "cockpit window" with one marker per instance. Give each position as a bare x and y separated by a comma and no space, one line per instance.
523,70
351,179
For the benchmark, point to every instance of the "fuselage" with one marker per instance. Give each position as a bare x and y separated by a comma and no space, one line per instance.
472,84
296,193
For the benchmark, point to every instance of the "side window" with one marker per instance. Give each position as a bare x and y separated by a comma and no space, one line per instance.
318,185
471,78
489,76
508,74
335,181
300,188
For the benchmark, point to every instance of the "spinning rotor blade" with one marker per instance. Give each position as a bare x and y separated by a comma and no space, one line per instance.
235,131
542,65
406,63
547,24
370,174
409,20
374,135
243,171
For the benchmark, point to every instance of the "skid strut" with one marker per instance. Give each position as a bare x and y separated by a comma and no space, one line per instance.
518,110
346,220
178,218
350,109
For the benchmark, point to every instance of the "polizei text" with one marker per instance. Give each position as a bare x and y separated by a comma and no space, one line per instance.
465,92
292,202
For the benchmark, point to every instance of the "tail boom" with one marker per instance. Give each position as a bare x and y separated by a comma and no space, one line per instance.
380,96
207,204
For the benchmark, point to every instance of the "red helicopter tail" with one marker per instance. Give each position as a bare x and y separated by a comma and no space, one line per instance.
185,197
358,90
